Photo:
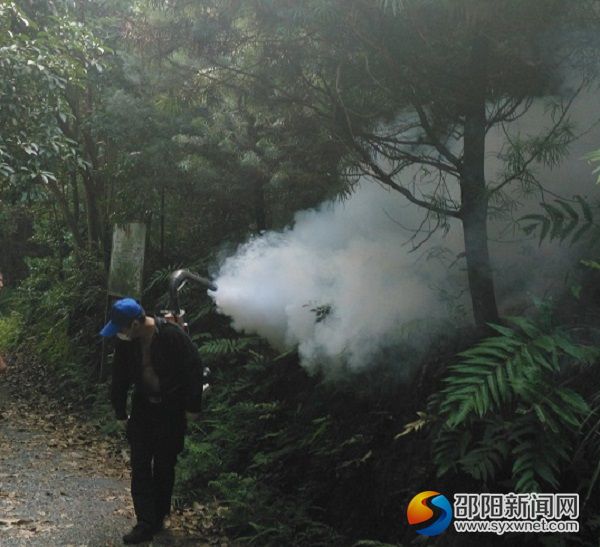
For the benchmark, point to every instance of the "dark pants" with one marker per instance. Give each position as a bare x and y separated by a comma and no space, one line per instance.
155,432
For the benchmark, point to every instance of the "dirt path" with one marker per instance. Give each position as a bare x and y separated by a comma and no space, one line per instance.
63,484
48,496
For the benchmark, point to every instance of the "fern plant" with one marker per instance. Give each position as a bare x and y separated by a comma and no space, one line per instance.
510,389
225,346
561,220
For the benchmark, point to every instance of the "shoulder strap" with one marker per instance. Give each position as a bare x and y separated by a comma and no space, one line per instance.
163,325
159,322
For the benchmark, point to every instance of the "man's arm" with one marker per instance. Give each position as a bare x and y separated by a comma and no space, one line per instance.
193,373
121,378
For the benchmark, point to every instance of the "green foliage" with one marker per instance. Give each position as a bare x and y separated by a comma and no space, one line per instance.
594,158
40,60
10,329
61,305
561,221
263,517
297,460
224,346
593,264
511,390
514,365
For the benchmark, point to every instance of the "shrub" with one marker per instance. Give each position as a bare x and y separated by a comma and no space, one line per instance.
11,326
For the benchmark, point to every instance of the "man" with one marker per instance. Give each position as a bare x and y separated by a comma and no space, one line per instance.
162,363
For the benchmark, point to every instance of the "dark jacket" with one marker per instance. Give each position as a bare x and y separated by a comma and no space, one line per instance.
176,362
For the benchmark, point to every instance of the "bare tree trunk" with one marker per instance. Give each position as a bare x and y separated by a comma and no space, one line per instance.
93,188
92,212
474,208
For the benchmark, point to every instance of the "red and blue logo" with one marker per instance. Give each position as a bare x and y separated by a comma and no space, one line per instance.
430,513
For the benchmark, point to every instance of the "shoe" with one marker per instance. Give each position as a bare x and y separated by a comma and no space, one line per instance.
162,521
139,533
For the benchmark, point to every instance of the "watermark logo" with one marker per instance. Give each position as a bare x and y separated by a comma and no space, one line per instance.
516,513
430,512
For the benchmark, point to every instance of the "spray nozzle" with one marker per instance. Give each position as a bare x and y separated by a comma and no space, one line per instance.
177,281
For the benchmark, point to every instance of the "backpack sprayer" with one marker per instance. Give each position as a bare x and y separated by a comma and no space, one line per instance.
174,313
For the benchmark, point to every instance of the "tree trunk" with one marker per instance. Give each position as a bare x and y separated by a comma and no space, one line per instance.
92,212
481,281
75,198
69,217
474,199
162,222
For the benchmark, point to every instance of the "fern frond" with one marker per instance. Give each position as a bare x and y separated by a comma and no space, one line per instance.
500,368
507,388
225,346
560,221
537,454
488,454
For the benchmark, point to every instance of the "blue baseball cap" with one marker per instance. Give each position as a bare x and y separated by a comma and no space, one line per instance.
122,313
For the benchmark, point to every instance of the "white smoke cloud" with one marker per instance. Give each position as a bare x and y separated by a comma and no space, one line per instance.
351,256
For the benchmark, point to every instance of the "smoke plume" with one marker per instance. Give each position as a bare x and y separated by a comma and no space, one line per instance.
342,282
345,281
